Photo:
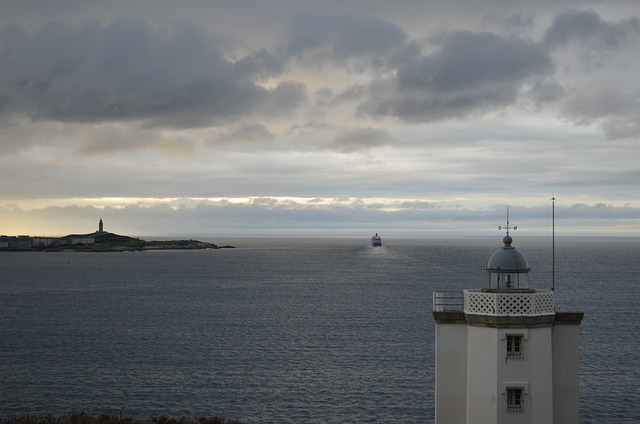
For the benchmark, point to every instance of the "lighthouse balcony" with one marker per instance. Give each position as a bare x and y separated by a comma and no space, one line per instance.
505,302
510,302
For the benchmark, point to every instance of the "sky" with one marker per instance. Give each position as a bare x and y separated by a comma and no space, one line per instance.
308,117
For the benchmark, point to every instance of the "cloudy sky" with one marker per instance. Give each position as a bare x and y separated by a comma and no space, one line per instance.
351,117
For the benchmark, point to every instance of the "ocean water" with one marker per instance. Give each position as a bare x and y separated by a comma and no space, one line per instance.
288,330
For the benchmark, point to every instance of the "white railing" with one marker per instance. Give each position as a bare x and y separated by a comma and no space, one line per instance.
504,303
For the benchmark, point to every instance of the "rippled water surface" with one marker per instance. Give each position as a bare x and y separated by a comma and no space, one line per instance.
290,330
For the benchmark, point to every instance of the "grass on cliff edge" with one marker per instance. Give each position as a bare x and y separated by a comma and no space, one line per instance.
82,418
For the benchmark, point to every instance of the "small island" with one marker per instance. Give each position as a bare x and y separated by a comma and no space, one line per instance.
98,241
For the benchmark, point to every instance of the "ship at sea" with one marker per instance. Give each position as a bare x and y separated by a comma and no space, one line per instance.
376,241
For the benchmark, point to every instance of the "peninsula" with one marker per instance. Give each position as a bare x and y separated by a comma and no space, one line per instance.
98,241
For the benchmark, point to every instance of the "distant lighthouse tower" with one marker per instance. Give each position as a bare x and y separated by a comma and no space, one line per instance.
503,353
100,226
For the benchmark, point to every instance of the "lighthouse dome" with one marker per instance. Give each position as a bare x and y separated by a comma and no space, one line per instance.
508,268
508,258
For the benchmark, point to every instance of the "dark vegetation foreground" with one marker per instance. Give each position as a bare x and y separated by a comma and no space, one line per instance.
82,418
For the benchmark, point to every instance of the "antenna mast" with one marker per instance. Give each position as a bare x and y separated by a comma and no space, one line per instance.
553,243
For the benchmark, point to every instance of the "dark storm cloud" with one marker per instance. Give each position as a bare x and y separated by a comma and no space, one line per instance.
470,73
259,65
129,70
585,26
345,35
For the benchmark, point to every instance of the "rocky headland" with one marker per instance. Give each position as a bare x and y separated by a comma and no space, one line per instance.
99,241
140,245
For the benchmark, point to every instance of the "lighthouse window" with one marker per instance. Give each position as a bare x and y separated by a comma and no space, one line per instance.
514,399
514,345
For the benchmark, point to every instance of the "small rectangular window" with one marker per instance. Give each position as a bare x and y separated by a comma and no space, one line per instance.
514,399
514,345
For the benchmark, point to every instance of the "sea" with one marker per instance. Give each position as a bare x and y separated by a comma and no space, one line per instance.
289,329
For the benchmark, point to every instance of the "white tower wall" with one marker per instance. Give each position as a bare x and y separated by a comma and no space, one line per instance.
566,368
482,387
541,389
451,372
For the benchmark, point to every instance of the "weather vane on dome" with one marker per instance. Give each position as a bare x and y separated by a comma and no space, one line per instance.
507,227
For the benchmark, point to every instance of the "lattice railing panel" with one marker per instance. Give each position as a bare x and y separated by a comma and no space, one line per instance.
544,303
538,303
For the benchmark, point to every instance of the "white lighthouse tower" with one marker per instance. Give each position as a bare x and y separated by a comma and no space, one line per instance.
503,353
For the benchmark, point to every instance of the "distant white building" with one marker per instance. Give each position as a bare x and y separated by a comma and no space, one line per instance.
503,353
12,242
81,239
48,241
